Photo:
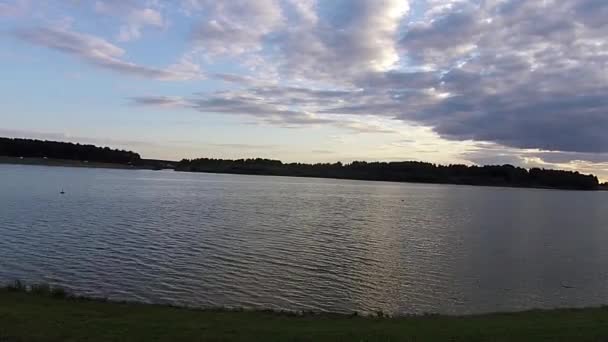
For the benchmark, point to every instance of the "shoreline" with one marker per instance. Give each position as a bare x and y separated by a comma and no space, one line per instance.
71,163
396,182
42,315
78,163
61,162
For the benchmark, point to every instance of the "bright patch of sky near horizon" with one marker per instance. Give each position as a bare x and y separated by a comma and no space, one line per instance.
447,81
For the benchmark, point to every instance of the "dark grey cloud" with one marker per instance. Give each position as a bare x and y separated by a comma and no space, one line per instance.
595,12
234,78
525,74
567,157
157,100
445,36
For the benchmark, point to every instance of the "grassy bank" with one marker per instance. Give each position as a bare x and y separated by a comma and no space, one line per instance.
47,315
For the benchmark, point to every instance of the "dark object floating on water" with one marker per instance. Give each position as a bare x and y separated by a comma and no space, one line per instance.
567,286
62,192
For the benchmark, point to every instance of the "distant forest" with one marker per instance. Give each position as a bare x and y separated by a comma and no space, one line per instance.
29,148
409,171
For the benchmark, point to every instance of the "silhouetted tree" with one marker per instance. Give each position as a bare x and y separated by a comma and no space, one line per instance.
409,171
29,148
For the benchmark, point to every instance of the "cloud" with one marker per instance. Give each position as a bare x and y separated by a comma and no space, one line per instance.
234,78
567,157
336,40
493,154
61,136
13,8
101,53
301,38
134,15
523,74
14,133
271,105
234,27
257,147
366,127
159,101
496,155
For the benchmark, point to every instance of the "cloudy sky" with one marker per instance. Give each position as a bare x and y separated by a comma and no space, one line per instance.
449,81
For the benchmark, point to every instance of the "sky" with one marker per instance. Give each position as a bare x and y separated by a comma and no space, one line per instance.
446,81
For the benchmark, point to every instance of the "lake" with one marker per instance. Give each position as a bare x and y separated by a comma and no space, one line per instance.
209,240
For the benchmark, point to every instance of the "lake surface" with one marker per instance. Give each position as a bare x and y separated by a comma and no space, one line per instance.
210,240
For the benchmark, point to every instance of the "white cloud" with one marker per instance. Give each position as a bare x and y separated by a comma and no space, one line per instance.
99,52
302,39
12,8
234,27
134,15
346,38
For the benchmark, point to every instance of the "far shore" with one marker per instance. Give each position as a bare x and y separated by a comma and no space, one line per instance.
42,313
61,162
86,164
71,163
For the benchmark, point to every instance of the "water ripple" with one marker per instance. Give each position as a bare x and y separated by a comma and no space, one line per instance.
301,244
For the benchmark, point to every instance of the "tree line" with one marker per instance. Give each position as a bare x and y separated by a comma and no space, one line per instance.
408,171
31,148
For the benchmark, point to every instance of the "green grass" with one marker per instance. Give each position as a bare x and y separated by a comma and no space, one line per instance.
44,315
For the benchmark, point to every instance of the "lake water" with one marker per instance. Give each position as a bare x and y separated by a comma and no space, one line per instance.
209,240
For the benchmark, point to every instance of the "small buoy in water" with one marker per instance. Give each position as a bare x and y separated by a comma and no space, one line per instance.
62,192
